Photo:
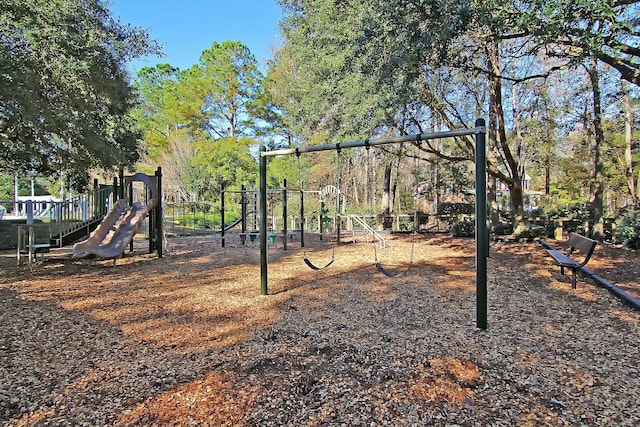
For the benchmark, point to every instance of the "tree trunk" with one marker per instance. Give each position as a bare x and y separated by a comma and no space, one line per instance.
492,198
513,180
386,190
628,156
394,185
387,198
598,167
547,176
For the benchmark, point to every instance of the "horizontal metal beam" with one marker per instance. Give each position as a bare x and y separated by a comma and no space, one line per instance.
372,142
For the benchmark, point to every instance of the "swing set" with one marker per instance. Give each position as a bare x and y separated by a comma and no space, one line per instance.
338,194
478,132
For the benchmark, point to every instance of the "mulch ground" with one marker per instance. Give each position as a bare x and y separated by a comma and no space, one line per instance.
189,340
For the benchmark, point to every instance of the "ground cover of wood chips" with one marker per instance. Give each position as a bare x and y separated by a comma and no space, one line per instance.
189,340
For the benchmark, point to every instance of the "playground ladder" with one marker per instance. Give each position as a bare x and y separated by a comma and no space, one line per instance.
368,230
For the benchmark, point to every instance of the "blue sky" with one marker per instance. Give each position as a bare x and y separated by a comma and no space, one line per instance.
185,28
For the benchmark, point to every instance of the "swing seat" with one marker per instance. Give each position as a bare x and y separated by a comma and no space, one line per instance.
316,268
390,275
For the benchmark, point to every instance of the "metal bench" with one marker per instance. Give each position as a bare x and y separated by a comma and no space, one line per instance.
582,247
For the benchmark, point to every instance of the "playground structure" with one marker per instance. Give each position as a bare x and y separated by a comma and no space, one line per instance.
283,225
479,132
288,225
120,225
106,226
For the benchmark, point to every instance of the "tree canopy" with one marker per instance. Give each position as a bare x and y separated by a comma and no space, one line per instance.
350,68
64,92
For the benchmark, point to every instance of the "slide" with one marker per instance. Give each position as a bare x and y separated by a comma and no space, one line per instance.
115,231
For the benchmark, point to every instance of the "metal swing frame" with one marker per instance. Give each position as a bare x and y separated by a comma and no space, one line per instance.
482,236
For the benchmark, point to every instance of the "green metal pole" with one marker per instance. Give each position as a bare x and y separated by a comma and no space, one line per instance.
121,188
321,217
222,214
284,214
151,221
130,204
243,208
338,215
301,217
159,211
481,228
263,223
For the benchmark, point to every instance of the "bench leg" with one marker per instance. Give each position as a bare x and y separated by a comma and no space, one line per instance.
573,278
562,270
242,240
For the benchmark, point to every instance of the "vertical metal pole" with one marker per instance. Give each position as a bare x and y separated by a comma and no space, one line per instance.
321,217
59,219
284,214
243,209
151,223
339,197
115,192
130,190
338,213
121,188
159,211
301,217
222,213
32,242
96,201
131,206
481,228
263,223
20,244
254,197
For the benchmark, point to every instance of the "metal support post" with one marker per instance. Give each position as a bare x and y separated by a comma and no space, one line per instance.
263,224
284,214
222,214
301,217
481,228
159,211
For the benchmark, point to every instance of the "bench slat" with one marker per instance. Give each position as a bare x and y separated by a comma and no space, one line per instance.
562,259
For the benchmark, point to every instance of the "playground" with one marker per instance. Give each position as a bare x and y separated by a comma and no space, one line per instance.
187,339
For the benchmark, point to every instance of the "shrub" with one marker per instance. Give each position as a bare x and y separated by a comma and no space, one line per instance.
451,212
531,233
580,215
456,209
579,212
627,231
465,228
502,229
